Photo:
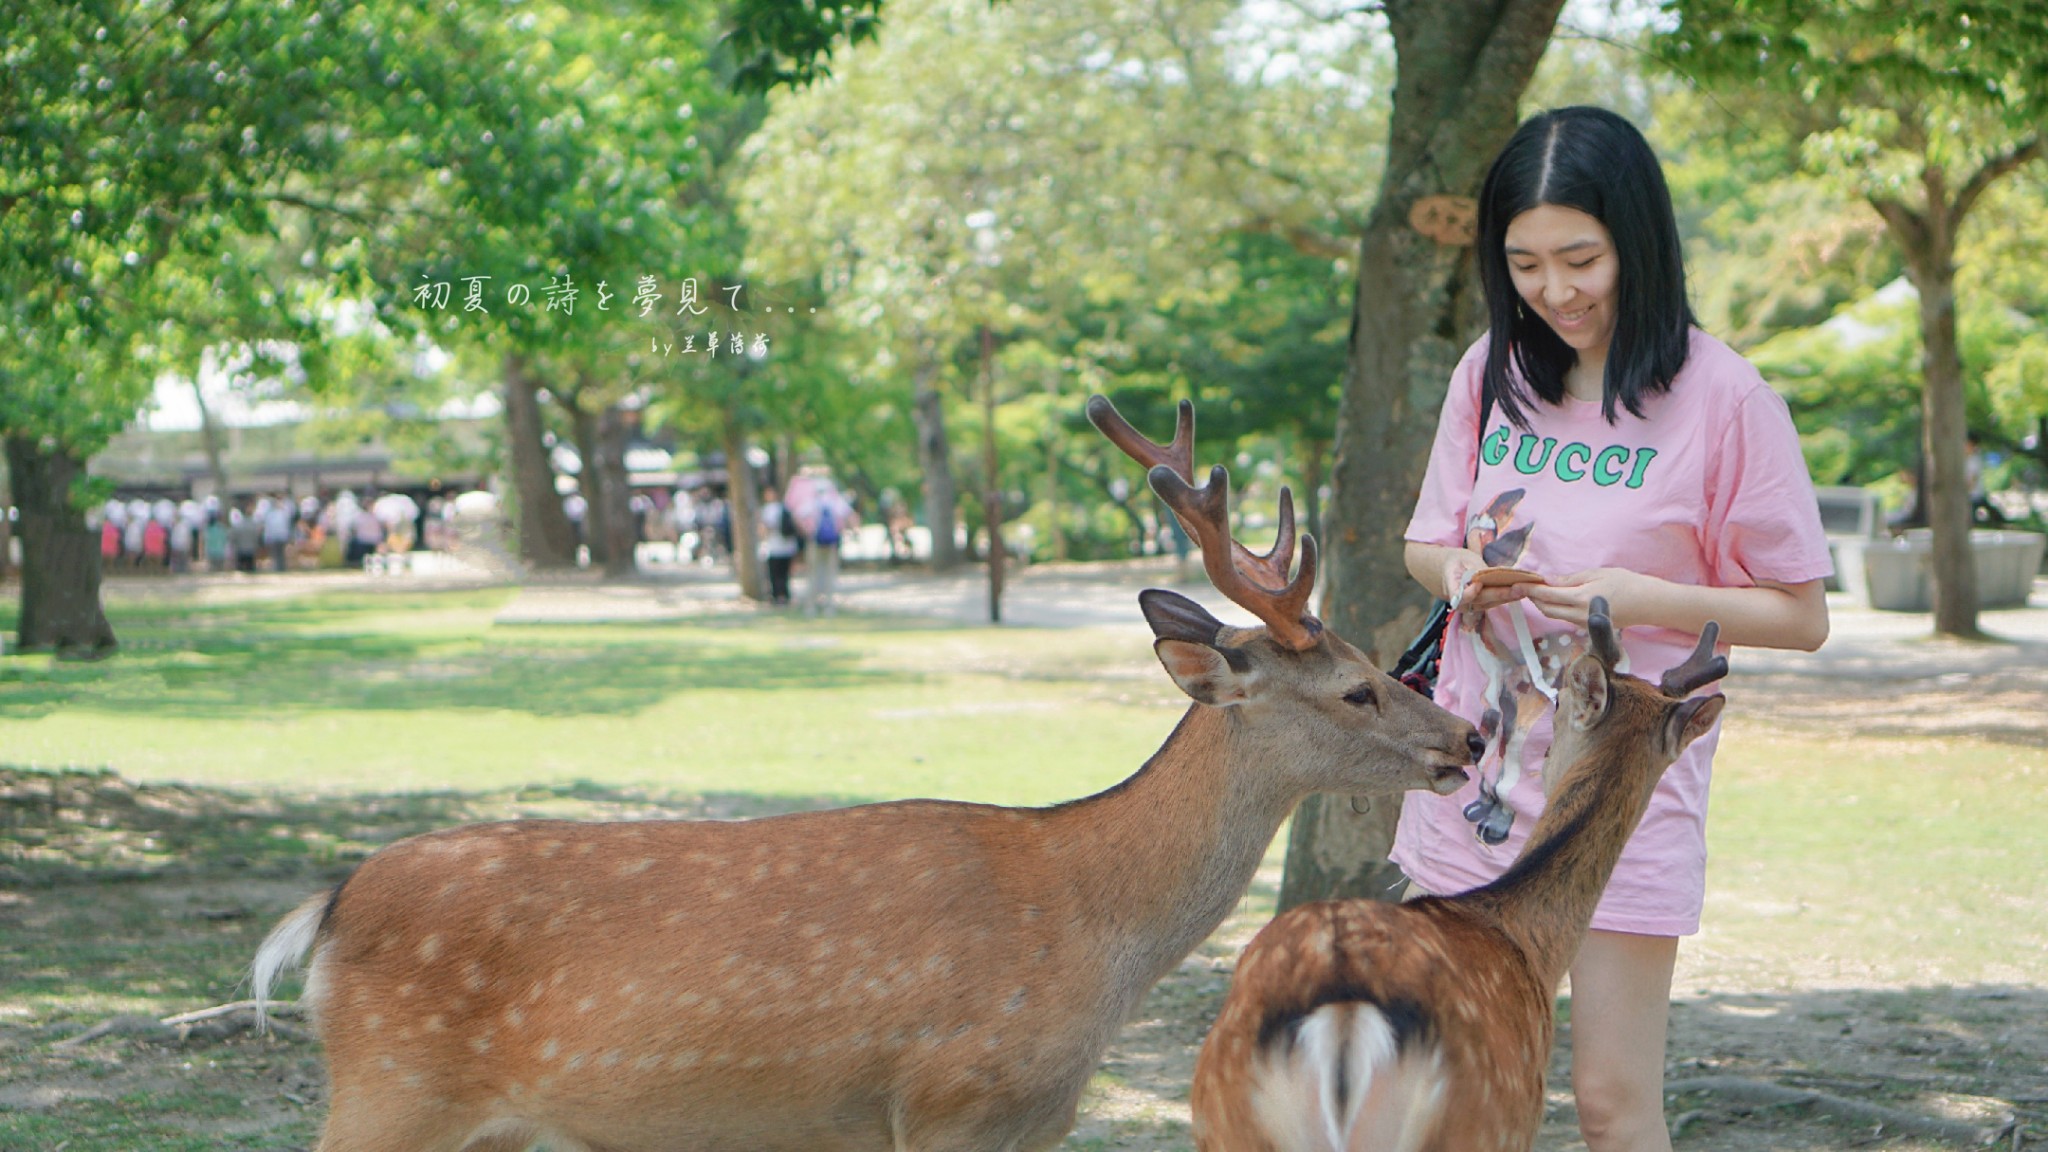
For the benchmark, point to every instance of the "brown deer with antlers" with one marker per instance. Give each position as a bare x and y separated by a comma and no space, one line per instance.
918,976
1357,1026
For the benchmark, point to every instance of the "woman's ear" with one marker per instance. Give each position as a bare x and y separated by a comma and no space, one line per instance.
1202,672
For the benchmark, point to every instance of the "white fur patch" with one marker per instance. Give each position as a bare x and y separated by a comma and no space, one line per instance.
1388,1099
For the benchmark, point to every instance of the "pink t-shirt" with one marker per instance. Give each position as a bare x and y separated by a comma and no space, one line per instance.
1707,488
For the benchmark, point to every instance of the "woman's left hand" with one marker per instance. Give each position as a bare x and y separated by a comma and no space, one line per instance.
1569,599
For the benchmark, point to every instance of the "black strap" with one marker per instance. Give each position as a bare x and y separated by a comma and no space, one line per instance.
1417,667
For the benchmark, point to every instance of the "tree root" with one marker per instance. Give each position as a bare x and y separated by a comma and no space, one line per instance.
1777,1095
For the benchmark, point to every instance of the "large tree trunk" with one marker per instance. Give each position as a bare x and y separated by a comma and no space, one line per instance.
618,526
1315,457
590,480
60,556
743,504
546,538
209,439
1461,68
941,496
1943,498
1945,427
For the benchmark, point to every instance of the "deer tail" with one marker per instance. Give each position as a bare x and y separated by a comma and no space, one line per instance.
1350,1077
285,948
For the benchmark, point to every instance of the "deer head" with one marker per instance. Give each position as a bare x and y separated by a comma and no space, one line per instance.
1592,695
1337,719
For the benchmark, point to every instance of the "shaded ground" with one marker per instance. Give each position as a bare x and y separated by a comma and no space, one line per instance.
117,899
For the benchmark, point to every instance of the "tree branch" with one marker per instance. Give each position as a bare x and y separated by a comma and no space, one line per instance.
1307,241
2025,152
1908,226
1337,15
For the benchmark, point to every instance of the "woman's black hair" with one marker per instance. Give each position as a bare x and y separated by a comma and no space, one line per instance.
1595,161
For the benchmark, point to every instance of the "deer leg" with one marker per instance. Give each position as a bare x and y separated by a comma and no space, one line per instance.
370,1129
388,1118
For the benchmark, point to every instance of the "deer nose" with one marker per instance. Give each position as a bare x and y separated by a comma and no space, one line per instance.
1477,744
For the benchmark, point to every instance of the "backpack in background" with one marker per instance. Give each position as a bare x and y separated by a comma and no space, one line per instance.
828,525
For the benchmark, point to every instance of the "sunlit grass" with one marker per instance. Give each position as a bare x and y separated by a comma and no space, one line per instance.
1855,862
426,692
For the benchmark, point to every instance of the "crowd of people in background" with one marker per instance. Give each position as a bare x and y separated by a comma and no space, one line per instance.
802,528
266,533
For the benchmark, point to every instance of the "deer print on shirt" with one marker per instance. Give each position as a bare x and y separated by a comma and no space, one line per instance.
1522,672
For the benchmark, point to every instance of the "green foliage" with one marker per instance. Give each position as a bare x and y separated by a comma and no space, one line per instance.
779,43
1091,209
1852,386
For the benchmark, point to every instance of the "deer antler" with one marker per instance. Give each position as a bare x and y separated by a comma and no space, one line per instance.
1700,668
1259,584
1600,631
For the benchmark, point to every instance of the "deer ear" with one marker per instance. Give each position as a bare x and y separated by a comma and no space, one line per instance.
1691,718
1202,672
1586,693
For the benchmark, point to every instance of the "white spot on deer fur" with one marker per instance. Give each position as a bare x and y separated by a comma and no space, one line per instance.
586,1004
636,867
550,848
585,848
684,1000
373,1022
1016,1001
429,948
492,864
436,1024
574,1062
762,872
752,1062
480,1045
648,1063
412,1080
548,1050
611,1059
473,976
387,1063
514,1017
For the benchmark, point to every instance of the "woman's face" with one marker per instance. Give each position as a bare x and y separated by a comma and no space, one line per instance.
1563,265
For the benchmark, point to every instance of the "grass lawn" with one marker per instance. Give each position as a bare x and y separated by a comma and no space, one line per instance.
258,748
423,692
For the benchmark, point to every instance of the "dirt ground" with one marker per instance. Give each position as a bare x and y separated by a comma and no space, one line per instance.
1752,1068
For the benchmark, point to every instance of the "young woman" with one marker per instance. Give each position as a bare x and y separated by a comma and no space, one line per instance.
1626,454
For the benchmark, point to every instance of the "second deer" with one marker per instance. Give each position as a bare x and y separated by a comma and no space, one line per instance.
918,976
1358,1026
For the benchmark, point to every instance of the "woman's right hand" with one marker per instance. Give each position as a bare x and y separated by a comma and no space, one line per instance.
1458,566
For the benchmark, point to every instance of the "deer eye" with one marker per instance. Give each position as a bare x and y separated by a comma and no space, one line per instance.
1363,694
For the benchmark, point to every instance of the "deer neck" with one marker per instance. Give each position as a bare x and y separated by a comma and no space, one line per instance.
1545,901
1157,862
